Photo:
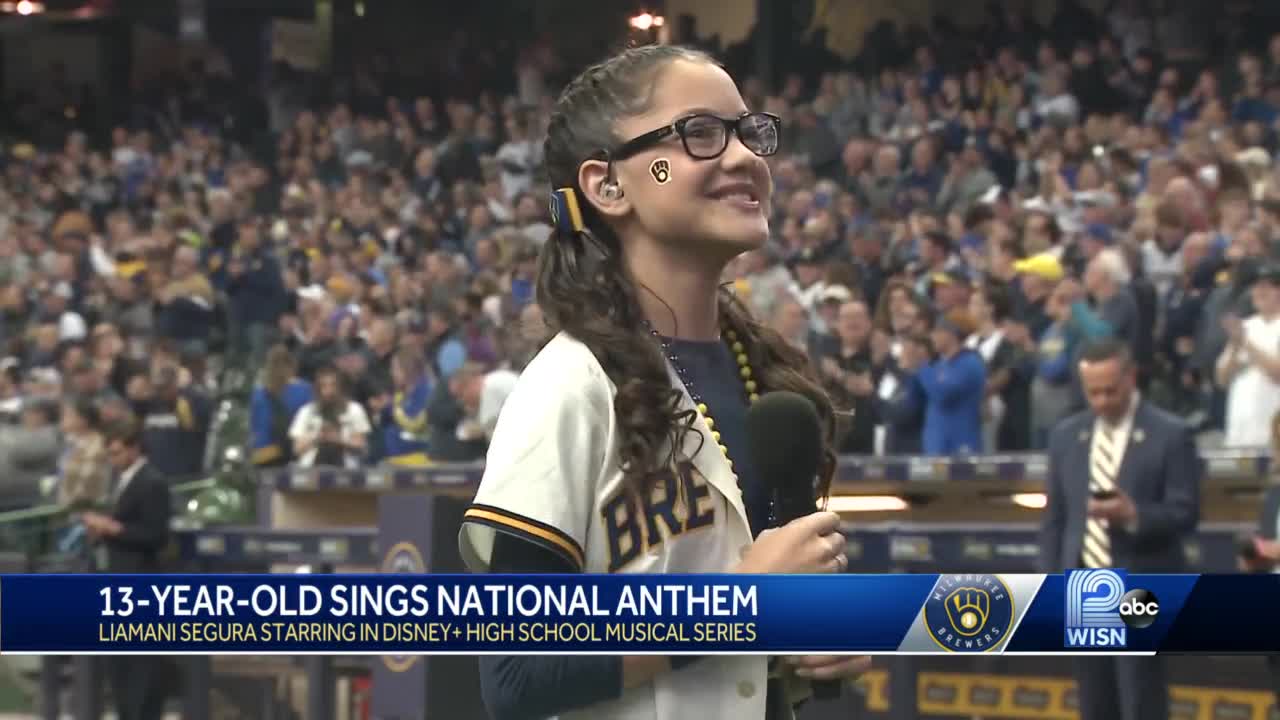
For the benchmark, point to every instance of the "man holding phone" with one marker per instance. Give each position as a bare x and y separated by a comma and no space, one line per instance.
1123,492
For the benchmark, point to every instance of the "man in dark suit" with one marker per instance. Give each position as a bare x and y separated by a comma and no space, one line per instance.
1123,492
134,534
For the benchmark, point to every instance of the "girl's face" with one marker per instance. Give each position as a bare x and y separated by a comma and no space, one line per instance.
675,199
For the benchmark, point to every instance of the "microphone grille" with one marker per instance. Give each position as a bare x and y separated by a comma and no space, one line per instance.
785,435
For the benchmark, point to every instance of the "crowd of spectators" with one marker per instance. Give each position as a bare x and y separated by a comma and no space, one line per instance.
946,235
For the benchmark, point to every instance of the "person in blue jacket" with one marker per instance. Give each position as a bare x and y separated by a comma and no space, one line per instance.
899,401
272,407
256,292
405,428
953,386
1055,384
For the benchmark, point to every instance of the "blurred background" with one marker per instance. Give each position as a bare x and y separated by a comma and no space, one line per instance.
218,216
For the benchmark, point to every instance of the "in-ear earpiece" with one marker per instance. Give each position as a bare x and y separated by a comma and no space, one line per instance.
611,191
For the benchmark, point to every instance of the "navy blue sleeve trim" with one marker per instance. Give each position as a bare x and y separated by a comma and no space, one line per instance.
535,687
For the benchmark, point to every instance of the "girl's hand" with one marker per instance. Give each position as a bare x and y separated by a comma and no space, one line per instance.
809,545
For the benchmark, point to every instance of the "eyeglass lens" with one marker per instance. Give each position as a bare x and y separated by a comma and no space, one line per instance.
706,136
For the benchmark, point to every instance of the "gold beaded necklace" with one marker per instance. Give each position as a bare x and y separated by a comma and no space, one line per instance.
744,371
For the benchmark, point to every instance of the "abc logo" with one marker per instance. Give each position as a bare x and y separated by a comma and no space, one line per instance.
1139,608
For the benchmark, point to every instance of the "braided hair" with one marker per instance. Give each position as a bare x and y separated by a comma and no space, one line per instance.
584,291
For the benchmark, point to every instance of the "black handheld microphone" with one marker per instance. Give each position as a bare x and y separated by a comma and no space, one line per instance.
785,437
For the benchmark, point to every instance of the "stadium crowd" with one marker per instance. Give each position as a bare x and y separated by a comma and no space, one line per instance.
948,231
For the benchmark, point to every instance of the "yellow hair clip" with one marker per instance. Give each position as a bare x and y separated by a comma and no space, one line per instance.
566,215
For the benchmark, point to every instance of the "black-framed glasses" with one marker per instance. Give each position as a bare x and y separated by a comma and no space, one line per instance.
706,136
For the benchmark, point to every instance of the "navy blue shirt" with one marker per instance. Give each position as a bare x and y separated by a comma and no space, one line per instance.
713,372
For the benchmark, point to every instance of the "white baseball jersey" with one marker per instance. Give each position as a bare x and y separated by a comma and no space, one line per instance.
552,476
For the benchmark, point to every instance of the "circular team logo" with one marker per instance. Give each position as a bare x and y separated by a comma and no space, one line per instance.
660,169
969,613
402,558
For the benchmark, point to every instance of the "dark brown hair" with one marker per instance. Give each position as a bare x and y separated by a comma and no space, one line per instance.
278,369
583,289
412,363
125,432
883,312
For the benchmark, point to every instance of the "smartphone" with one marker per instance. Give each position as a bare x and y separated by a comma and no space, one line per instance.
1102,494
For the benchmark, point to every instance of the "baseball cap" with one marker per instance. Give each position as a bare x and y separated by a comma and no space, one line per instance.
1044,266
952,276
835,293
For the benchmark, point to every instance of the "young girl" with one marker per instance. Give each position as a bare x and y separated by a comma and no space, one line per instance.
623,446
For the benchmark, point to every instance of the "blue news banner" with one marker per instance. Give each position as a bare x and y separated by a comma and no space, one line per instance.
1083,611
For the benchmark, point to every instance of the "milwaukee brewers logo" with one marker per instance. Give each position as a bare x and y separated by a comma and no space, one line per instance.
969,613
402,558
660,169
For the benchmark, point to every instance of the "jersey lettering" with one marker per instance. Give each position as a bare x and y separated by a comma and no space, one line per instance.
676,504
625,542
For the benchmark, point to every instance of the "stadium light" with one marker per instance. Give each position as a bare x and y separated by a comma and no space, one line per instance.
22,7
866,503
1033,501
646,21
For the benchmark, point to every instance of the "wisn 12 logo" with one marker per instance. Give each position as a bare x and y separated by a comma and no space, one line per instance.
1100,612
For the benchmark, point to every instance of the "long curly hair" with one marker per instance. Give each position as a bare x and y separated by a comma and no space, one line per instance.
583,290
